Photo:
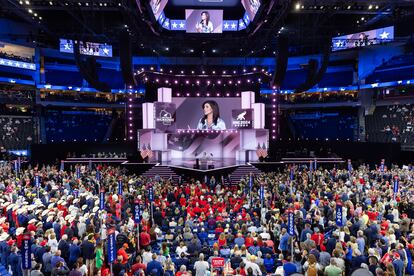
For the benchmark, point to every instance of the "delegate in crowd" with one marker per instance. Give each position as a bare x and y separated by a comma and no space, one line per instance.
203,227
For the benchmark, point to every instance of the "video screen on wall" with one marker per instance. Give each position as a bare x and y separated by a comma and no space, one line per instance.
204,21
251,7
227,113
157,6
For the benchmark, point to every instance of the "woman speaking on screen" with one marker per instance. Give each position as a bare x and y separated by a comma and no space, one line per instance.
211,119
205,25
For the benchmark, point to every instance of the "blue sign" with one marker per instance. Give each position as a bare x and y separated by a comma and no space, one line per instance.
111,246
26,252
292,176
338,217
315,163
151,194
311,166
76,193
137,213
291,223
262,192
102,200
78,173
62,166
382,167
251,182
349,165
98,175
37,181
120,188
16,166
396,185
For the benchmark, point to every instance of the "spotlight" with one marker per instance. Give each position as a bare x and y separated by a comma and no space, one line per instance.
297,6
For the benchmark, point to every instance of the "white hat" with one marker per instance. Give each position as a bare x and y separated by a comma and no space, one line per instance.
7,203
76,200
2,220
84,207
44,212
4,236
95,209
19,231
51,205
10,207
50,218
32,221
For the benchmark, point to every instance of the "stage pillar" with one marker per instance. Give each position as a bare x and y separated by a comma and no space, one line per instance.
164,95
247,99
258,115
148,116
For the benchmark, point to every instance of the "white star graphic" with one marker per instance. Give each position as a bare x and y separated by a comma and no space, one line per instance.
384,35
226,25
233,26
1,61
181,25
17,64
247,17
241,24
24,65
106,51
174,25
166,23
10,63
32,66
338,43
67,46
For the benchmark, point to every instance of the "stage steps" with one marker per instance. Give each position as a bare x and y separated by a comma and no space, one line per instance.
163,171
243,171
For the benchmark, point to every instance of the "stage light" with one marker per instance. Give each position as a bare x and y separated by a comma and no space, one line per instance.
27,2
214,50
182,72
297,6
208,94
227,94
198,94
218,94
167,49
224,72
248,80
203,72
219,81
21,2
30,11
208,82
130,125
230,82
349,7
187,82
238,81
376,7
237,94
254,69
188,94
130,100
214,72
130,137
152,68
170,71
234,72
370,7
157,80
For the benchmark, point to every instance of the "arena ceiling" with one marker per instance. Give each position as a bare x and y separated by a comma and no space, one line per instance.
305,22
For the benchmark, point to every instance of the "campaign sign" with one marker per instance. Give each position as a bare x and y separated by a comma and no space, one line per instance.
291,224
111,245
291,173
26,252
396,185
242,118
119,187
151,193
349,165
137,213
75,193
262,192
98,175
338,217
102,200
37,181
78,173
217,262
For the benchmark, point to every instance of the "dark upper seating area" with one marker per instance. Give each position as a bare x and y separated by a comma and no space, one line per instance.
394,123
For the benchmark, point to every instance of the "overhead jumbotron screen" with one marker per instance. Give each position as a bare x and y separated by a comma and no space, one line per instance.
204,21
205,3
157,6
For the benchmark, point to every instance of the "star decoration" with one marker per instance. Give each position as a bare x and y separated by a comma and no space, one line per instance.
226,25
67,46
384,35
174,25
182,25
338,43
233,26
106,51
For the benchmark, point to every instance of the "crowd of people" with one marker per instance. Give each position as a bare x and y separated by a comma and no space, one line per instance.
186,228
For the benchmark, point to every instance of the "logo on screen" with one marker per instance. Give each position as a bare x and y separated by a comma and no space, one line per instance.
242,118
165,118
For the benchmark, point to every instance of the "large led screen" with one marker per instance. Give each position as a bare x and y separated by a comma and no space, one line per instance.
191,113
204,21
157,6
251,7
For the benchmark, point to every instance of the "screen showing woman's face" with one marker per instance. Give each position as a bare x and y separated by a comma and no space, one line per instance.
207,109
203,16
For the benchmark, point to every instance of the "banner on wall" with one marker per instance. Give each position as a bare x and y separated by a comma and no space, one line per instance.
242,118
165,117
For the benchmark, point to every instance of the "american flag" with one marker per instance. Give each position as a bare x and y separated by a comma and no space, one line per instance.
150,153
261,151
